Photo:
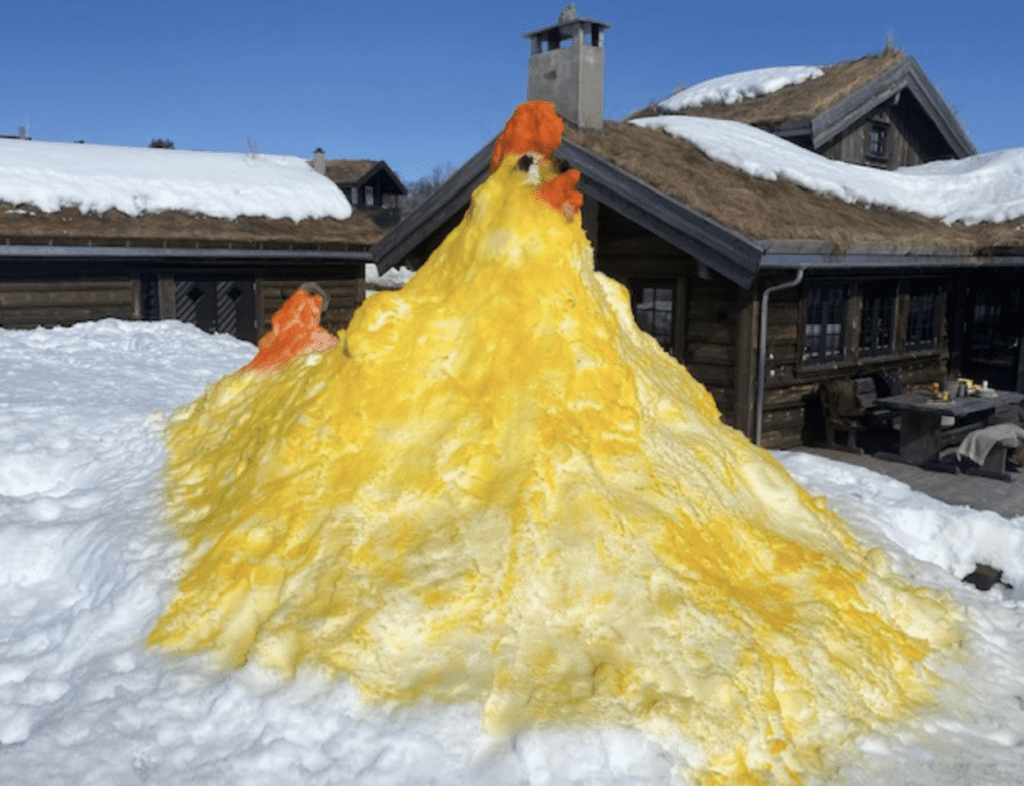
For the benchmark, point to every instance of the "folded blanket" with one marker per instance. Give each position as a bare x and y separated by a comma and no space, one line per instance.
977,444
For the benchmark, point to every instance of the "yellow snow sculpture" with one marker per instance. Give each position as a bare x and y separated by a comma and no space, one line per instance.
497,489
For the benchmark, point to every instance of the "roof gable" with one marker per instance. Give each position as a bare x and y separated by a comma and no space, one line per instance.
358,172
889,85
823,108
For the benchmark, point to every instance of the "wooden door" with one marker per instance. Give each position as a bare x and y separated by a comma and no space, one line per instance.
217,306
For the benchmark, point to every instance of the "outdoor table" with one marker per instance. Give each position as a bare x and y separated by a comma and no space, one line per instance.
921,418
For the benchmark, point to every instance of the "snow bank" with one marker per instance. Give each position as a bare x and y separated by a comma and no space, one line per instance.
85,569
733,88
954,539
96,178
987,187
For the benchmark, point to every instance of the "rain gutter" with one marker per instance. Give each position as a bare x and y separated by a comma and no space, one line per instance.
762,347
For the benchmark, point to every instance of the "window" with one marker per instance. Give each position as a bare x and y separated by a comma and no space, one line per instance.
824,323
878,311
921,310
654,309
368,195
878,148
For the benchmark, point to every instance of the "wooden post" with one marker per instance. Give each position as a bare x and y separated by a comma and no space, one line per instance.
746,360
166,308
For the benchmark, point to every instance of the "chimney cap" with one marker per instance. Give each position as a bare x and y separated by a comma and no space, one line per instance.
567,23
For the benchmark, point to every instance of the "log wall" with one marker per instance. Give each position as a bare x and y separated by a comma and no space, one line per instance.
713,336
29,304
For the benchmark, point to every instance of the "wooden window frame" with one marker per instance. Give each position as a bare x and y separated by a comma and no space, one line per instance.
906,342
636,289
922,336
875,297
870,152
817,360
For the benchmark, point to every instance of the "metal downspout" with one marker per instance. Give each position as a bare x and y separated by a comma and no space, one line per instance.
762,347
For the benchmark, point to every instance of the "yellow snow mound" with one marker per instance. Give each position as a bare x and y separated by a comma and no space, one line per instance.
497,489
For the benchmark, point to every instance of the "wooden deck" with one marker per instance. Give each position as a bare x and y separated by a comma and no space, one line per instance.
1005,498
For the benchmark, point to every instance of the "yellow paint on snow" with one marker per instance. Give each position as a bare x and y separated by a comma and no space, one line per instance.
497,489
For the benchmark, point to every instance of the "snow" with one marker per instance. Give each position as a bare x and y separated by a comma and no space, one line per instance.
86,567
393,278
134,180
733,88
986,187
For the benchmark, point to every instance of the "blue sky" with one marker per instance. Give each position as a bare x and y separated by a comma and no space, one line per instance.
420,84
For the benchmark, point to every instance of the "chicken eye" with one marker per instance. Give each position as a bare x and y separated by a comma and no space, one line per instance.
524,163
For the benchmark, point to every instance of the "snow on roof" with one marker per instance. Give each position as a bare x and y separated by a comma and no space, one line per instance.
988,187
733,88
134,180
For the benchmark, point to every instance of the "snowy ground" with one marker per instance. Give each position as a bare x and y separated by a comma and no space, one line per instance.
86,567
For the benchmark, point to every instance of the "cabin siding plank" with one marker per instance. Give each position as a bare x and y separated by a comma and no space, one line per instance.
28,304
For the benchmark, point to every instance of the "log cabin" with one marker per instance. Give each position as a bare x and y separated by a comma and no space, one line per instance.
763,289
370,186
69,263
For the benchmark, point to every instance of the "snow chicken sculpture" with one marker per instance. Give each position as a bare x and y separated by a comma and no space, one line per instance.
495,488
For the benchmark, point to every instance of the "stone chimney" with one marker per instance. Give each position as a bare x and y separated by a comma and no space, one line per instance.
319,162
571,76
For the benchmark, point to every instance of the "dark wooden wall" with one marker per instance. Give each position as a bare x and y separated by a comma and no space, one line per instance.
28,303
715,328
851,146
52,297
